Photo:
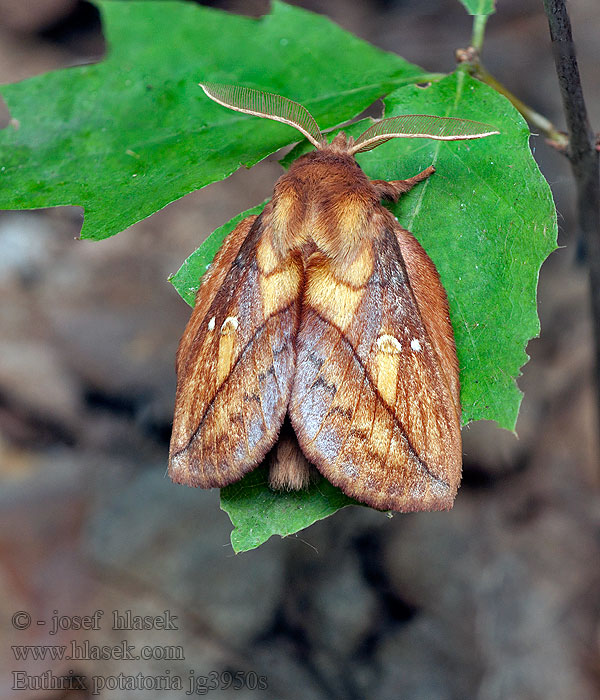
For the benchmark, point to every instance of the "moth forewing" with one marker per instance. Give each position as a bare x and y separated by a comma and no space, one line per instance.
432,303
325,317
211,282
371,405
234,365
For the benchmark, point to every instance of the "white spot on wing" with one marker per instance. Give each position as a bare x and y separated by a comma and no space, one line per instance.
230,324
211,324
415,344
388,344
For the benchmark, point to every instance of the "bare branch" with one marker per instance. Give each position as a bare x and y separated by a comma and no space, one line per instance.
582,153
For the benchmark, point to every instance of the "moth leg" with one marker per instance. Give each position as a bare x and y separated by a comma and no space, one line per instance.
392,189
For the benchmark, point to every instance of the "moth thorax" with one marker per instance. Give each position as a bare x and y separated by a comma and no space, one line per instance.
342,226
286,216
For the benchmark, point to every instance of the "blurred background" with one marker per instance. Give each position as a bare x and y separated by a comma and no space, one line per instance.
498,598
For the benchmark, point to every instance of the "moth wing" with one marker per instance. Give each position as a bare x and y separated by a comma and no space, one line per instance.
235,361
432,302
375,397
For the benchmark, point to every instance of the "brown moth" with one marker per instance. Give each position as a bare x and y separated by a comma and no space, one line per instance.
321,334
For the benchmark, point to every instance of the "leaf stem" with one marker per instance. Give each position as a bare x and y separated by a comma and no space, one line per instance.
538,121
470,59
479,22
582,151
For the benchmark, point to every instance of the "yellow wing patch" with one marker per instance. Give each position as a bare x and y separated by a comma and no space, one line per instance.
228,348
388,362
333,298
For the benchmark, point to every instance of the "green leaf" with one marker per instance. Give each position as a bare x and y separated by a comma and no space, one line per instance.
257,512
480,7
125,137
487,219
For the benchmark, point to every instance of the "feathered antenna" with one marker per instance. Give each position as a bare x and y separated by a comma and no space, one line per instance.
421,126
268,105
281,109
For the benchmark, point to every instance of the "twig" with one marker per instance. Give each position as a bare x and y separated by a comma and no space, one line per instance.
538,121
582,153
471,59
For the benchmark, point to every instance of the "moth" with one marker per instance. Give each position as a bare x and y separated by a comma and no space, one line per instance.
320,336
